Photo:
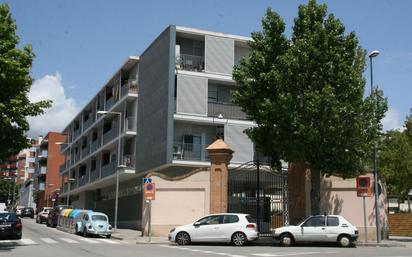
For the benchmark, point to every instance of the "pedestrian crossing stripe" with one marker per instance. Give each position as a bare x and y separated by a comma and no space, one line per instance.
89,240
28,241
48,240
70,241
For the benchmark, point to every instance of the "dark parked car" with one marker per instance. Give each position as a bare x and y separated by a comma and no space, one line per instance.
54,214
10,225
27,212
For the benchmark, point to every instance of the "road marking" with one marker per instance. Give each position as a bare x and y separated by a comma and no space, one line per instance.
89,240
69,240
108,241
288,254
48,240
27,241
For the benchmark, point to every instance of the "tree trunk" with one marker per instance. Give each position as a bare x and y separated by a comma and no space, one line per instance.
314,191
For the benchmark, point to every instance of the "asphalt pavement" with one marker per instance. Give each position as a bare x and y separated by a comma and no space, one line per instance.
41,241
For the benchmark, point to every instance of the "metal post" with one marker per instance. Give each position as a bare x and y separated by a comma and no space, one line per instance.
150,220
364,219
258,191
68,190
117,173
375,172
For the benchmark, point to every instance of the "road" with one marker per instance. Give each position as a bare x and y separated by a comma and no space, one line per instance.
41,241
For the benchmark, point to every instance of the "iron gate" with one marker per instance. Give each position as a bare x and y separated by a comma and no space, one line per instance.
262,193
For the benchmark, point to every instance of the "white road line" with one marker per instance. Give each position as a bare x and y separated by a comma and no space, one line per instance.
48,240
89,240
27,241
108,241
289,254
69,240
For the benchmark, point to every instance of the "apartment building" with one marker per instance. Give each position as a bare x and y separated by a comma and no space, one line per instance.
172,102
26,167
47,180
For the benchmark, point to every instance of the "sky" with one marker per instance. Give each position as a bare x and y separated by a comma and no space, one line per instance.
79,44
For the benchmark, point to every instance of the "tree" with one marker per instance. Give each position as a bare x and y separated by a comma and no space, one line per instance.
396,160
15,83
306,96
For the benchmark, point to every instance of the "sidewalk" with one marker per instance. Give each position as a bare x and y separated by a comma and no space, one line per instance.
135,236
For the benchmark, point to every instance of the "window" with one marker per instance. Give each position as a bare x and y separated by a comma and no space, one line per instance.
99,217
86,217
317,221
332,221
211,220
230,219
250,219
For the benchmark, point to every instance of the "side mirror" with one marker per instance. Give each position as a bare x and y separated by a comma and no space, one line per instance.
196,224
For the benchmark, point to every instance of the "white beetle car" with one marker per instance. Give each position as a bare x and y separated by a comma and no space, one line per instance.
320,228
239,229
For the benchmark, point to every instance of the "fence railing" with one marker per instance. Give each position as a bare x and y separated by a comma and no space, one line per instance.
85,151
228,110
190,62
130,87
89,122
111,134
94,145
192,152
109,169
129,160
109,103
94,175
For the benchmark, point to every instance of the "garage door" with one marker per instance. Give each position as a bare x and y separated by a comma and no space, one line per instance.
176,206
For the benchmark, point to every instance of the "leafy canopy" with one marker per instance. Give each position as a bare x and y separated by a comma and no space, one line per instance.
306,94
15,83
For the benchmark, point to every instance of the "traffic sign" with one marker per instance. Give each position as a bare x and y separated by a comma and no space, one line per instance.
149,191
147,180
363,187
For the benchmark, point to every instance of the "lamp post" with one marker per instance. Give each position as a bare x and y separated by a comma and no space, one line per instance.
116,204
371,55
69,179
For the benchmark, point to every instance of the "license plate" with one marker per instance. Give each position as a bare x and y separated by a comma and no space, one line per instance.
5,226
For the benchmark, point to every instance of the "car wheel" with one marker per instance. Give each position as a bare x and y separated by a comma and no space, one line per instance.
239,239
85,232
286,240
345,241
182,238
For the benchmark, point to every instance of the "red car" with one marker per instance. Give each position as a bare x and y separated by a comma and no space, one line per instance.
10,226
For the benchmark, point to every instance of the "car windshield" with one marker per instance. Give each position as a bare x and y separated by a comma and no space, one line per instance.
301,222
99,217
7,216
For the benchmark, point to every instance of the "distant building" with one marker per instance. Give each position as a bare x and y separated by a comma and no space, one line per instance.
26,167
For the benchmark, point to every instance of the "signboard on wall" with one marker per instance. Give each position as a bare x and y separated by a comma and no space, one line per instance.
363,187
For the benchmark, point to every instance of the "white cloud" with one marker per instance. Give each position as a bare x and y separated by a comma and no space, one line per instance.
391,120
61,112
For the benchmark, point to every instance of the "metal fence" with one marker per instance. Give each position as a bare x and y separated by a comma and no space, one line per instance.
260,192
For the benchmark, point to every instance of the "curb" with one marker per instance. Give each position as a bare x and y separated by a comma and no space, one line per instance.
151,242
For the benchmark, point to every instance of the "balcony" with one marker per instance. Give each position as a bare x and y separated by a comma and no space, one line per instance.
109,169
130,124
94,145
94,175
129,161
190,62
76,134
111,134
62,168
88,122
109,103
30,170
229,110
43,154
85,151
42,186
190,152
43,170
130,87
82,180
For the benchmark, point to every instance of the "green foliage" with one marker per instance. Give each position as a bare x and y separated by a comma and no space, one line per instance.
306,94
6,187
396,160
15,82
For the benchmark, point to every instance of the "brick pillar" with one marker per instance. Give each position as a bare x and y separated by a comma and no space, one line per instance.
220,155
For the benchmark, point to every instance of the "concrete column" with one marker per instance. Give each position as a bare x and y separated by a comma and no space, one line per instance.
220,155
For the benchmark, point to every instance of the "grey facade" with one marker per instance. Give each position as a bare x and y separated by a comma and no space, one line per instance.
181,104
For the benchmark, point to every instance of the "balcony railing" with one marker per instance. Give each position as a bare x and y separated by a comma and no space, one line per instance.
109,103
76,133
42,186
88,122
111,134
109,169
129,160
228,110
130,124
30,170
62,167
94,145
190,62
130,87
94,175
43,154
43,170
82,181
85,151
190,152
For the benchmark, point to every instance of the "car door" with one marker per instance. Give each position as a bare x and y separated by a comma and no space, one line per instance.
332,228
313,229
229,226
207,229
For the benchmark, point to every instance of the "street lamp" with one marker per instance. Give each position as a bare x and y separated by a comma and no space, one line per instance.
116,204
65,163
371,55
